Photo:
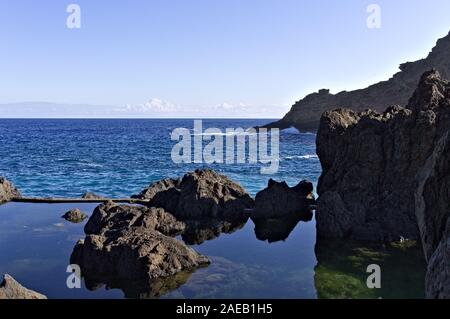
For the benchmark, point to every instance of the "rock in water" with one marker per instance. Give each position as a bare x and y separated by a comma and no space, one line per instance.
74,216
306,113
279,200
7,190
202,194
11,289
90,195
370,162
131,243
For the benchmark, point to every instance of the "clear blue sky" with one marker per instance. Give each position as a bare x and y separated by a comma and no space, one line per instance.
206,52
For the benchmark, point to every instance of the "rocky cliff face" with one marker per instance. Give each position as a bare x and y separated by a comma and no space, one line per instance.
7,191
386,175
305,114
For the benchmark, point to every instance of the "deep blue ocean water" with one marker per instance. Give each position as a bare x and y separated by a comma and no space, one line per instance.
118,158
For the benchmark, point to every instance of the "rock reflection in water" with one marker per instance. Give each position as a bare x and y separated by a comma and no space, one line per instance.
279,229
199,231
138,289
341,271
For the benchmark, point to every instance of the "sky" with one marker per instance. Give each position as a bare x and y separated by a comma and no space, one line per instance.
183,58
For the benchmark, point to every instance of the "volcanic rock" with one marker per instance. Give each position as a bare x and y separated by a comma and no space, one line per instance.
305,114
132,244
203,194
11,289
279,200
7,190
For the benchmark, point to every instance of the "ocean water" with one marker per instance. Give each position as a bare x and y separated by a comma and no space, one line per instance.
118,158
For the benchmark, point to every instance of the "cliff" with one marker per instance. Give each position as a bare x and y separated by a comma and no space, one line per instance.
305,114
386,176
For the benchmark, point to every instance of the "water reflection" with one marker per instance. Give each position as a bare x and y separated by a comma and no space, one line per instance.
152,289
341,270
279,229
197,232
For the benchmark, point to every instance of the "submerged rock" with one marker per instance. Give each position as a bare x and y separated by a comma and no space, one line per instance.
279,200
11,289
132,243
74,216
7,190
202,194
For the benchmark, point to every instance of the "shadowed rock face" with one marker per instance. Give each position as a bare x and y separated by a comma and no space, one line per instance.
305,114
387,175
7,191
11,289
279,200
202,194
370,162
133,244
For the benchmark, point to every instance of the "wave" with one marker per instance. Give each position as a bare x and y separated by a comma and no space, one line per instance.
302,157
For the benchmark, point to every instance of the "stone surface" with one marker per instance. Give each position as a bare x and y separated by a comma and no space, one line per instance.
11,289
203,194
75,216
437,283
90,195
279,200
370,162
133,244
7,190
305,114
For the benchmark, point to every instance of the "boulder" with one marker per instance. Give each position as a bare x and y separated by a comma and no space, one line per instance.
370,162
11,289
90,195
279,200
7,190
133,244
74,216
203,194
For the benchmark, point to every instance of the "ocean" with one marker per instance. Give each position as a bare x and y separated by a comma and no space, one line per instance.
118,158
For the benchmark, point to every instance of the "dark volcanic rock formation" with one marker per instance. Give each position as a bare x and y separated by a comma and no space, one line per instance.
305,114
380,171
202,194
133,244
74,216
7,191
279,200
11,289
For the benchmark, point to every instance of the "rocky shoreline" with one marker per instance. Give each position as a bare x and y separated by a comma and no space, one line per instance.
386,176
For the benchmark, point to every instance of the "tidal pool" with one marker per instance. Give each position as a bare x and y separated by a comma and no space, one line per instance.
36,244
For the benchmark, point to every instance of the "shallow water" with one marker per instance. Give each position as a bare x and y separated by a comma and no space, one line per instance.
118,158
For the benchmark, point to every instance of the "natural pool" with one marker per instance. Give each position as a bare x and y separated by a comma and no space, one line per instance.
36,243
